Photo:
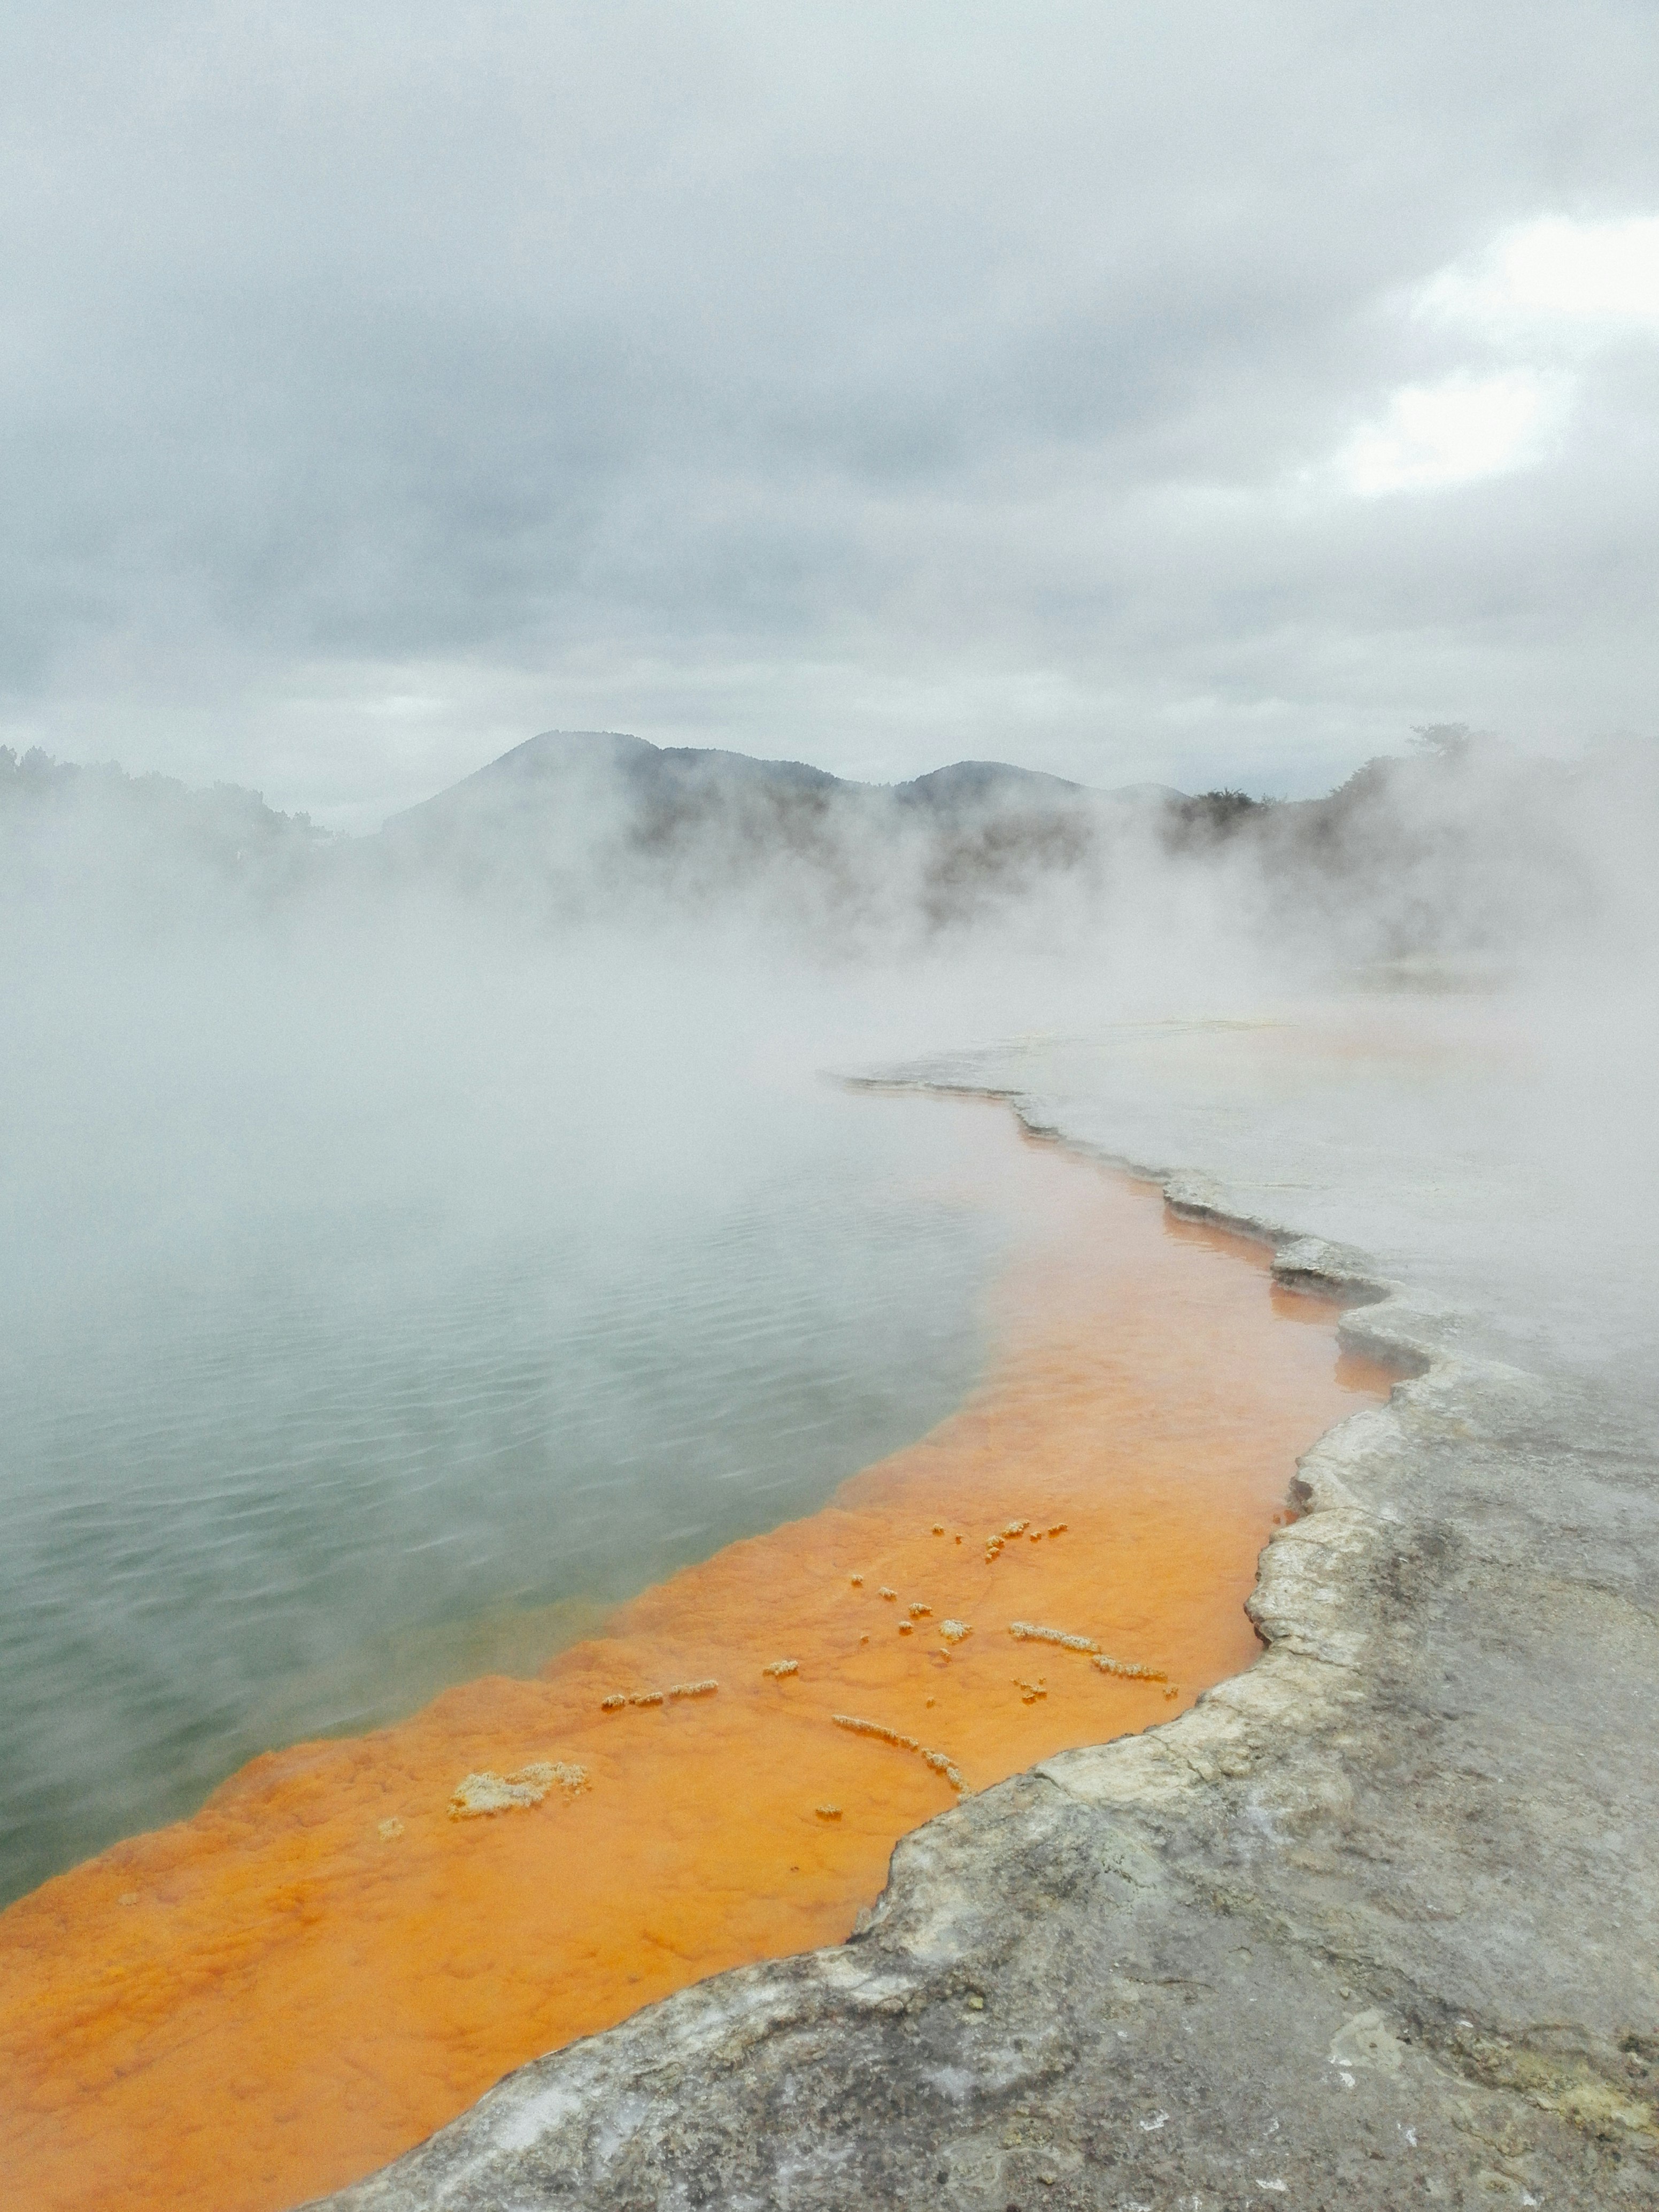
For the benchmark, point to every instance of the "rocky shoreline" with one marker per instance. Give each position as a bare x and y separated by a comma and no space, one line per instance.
1376,1923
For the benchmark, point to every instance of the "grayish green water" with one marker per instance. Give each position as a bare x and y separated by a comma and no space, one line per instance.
312,1398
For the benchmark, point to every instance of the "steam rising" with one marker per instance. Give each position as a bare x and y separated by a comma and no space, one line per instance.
469,1193
1470,848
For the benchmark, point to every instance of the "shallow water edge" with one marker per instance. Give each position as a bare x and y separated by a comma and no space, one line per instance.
427,1954
1325,1931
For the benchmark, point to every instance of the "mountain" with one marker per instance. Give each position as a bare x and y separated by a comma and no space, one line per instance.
562,765
980,783
1464,845
587,820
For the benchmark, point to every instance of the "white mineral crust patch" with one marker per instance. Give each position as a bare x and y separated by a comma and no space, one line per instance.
477,1795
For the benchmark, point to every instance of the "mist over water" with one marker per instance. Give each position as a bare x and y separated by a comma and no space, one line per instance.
410,1252
375,1321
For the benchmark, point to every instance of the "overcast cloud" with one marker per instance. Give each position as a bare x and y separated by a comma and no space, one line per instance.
1189,392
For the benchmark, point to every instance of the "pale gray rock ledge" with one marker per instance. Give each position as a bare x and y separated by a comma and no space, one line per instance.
1375,1923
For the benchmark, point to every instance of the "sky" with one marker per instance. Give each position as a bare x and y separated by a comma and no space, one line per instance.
1207,394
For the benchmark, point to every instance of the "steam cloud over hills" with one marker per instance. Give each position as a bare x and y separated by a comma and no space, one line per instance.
1467,847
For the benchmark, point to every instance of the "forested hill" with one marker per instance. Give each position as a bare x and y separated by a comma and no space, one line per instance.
1463,844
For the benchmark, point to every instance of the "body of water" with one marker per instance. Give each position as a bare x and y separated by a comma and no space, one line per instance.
311,1401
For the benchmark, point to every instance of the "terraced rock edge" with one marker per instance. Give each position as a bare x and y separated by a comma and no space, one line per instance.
1374,1923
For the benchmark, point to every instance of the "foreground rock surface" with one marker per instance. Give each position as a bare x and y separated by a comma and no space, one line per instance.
1375,1924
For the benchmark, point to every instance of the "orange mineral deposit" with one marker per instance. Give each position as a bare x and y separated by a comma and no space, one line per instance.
352,1940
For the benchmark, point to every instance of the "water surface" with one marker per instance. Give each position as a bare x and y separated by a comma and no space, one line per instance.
313,1399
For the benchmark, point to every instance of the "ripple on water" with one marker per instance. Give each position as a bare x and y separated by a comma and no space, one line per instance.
353,1940
293,1483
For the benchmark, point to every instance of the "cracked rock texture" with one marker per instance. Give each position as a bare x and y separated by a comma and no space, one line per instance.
1375,1924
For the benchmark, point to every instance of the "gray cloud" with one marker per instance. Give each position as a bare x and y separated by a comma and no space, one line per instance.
875,389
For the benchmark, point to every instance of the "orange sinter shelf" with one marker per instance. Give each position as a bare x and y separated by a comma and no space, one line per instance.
353,1940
